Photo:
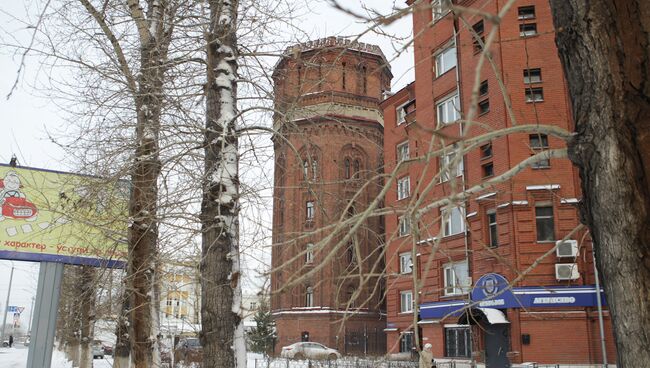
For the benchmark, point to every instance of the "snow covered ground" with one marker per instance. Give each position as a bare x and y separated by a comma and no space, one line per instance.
16,357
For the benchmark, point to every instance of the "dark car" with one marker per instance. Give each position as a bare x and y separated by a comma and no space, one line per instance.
187,351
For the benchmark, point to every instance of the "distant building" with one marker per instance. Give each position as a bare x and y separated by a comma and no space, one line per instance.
180,296
328,146
468,253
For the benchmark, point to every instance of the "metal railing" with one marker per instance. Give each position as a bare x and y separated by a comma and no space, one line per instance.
354,362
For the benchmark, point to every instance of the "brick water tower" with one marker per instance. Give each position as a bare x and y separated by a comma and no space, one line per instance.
328,158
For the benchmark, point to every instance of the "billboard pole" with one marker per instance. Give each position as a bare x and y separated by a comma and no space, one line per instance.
4,318
44,322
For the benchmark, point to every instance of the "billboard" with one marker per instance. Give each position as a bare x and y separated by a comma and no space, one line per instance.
53,216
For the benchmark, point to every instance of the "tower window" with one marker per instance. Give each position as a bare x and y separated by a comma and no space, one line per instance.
347,168
343,76
309,297
310,210
357,168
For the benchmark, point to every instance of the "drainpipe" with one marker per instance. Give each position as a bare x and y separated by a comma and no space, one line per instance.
600,312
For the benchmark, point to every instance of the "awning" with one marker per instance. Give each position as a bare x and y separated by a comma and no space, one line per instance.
489,315
494,316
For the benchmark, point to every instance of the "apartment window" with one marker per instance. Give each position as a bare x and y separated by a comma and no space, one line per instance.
446,162
406,302
457,342
486,150
483,88
533,75
538,143
309,255
479,29
493,234
534,94
445,60
405,263
309,297
456,278
526,12
403,151
403,188
253,305
527,29
544,223
484,106
439,8
400,113
404,226
310,210
453,220
448,110
488,169
406,342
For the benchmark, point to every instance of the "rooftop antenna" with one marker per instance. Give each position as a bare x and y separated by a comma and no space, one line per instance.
13,161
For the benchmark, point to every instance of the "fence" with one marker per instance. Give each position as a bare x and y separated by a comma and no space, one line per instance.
350,362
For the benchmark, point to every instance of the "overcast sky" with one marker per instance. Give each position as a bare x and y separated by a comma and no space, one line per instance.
25,119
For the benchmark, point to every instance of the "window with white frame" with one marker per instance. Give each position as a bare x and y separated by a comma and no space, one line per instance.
456,277
309,297
406,301
400,112
448,110
310,210
405,263
439,8
309,255
447,166
453,220
403,187
403,153
404,226
445,60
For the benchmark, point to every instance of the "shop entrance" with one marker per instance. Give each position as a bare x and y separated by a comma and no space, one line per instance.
497,343
495,333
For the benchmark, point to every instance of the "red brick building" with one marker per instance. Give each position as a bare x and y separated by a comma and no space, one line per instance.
328,157
467,252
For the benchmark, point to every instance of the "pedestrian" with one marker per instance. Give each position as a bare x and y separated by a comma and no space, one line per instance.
11,340
426,357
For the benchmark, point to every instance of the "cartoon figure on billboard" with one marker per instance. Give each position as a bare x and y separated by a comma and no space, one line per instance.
13,202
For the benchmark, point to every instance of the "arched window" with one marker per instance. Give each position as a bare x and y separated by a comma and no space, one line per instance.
351,254
347,168
305,169
299,70
343,75
314,168
364,79
309,297
350,295
357,168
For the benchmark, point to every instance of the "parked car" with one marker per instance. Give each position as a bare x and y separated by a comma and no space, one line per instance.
309,350
98,349
108,348
187,351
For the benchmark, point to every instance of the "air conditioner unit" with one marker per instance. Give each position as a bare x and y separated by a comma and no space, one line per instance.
566,271
566,248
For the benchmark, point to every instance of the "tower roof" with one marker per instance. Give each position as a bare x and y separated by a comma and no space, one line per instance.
333,43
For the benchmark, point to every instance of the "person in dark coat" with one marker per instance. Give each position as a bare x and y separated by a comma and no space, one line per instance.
11,340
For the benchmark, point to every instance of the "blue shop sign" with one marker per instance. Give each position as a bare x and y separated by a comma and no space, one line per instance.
493,291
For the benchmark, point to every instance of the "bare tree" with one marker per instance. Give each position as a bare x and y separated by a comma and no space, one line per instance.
222,333
605,51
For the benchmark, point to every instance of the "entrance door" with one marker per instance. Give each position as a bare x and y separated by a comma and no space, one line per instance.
497,344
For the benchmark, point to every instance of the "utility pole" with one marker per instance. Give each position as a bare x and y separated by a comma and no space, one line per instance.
31,313
4,318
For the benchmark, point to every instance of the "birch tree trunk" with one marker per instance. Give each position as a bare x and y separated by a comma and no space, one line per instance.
87,299
122,350
605,50
222,334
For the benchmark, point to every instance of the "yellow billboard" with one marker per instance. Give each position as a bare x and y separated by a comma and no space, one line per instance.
52,216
